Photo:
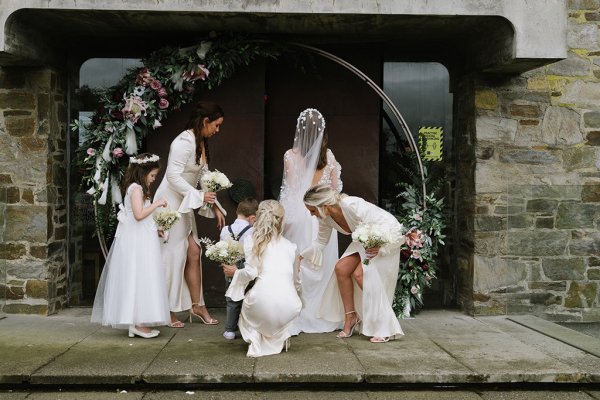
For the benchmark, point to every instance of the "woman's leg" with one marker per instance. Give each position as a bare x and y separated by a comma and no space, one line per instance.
193,278
344,269
358,275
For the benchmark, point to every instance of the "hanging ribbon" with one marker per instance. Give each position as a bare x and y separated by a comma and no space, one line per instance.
115,191
106,152
104,189
130,140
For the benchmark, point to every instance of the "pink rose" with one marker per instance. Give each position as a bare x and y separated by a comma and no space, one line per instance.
414,290
416,254
163,103
162,92
155,84
118,152
90,152
418,217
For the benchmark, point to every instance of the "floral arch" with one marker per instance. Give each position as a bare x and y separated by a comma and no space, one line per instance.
134,107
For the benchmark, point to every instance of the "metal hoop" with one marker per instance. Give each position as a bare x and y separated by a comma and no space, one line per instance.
376,89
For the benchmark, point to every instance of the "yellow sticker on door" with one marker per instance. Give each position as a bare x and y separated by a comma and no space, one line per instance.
431,140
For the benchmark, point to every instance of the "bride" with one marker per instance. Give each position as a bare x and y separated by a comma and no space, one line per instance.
307,163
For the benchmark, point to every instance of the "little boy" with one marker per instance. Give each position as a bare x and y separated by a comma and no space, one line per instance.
239,230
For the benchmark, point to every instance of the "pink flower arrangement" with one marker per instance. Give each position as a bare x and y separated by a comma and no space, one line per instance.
162,92
118,152
198,72
90,151
163,103
414,238
414,290
134,107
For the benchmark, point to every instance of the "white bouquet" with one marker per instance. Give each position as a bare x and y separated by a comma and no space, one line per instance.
224,251
372,236
165,219
214,181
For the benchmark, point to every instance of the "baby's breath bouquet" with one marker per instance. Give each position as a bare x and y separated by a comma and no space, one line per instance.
165,219
372,236
224,251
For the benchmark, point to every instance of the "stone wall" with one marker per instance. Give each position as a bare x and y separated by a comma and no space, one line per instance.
537,181
33,190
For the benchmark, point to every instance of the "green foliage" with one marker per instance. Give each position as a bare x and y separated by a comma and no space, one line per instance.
143,98
425,235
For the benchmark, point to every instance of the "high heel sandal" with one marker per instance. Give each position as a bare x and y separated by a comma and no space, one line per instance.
379,339
212,321
343,334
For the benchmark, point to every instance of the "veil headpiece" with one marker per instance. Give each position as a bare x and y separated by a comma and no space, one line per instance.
301,164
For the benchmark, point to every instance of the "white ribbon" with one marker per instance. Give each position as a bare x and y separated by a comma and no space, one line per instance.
106,152
104,189
130,140
122,214
115,192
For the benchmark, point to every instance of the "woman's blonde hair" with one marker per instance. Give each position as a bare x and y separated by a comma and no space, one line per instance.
322,195
268,225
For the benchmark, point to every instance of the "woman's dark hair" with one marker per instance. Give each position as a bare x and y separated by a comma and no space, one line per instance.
323,153
138,171
203,109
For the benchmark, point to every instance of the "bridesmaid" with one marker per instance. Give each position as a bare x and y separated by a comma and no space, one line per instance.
372,299
188,161
272,304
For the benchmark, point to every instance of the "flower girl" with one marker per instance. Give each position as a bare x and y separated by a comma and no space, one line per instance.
132,290
272,304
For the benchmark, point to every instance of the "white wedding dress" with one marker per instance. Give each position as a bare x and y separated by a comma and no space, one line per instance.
300,166
317,315
273,303
132,288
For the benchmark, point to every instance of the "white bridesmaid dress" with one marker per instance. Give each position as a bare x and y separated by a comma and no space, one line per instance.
272,304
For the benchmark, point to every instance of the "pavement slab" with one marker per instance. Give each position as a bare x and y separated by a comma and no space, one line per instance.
312,358
106,356
28,343
587,364
535,395
573,338
411,358
197,354
495,355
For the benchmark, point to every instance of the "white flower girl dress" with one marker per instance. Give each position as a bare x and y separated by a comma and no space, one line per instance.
132,288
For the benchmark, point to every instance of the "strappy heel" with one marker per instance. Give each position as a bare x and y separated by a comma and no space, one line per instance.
212,321
379,339
343,334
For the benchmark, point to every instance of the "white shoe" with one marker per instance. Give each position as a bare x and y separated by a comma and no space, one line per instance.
229,335
133,332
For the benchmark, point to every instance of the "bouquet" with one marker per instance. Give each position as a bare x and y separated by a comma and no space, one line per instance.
214,181
372,236
224,251
165,219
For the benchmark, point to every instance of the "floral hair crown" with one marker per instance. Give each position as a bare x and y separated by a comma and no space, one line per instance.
152,158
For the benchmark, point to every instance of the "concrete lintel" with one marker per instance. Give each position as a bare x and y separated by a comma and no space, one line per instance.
529,19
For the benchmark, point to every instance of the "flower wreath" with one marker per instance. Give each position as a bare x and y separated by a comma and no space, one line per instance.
143,98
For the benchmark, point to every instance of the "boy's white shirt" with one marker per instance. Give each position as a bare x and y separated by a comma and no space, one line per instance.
236,227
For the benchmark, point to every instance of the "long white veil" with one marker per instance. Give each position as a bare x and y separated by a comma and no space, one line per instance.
300,164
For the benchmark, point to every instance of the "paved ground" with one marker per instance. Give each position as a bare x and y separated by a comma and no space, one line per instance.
444,352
